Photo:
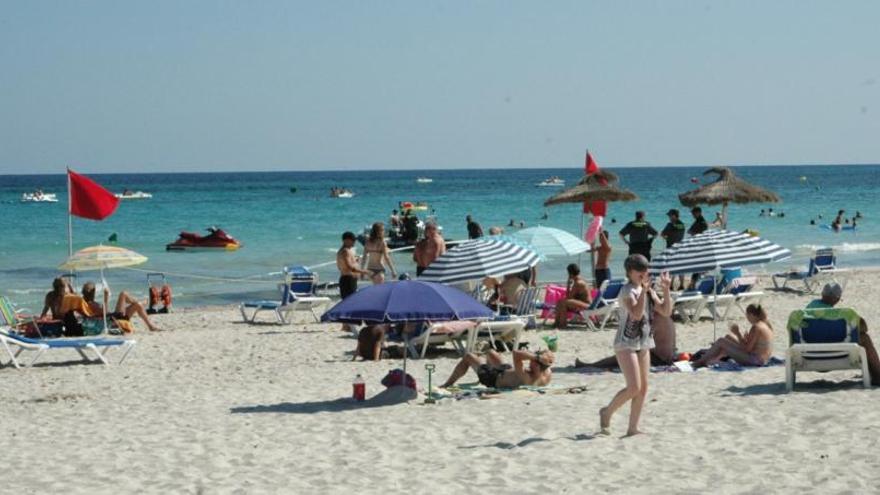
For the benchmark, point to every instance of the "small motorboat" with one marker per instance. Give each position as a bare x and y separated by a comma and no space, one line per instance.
126,194
413,206
424,180
341,192
39,197
551,182
217,240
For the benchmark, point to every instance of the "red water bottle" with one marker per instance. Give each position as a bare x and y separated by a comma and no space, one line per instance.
359,388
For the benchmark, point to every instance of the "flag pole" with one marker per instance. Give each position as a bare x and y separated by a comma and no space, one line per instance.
69,217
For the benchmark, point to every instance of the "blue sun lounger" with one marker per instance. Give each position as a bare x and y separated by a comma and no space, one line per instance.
297,293
98,346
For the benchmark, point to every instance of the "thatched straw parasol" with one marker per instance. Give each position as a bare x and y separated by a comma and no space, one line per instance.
728,188
590,188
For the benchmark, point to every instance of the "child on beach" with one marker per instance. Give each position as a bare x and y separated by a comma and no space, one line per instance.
633,343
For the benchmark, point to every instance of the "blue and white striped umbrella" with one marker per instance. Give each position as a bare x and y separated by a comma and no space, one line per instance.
716,249
477,259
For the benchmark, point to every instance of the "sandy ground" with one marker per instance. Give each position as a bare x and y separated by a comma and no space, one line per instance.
218,406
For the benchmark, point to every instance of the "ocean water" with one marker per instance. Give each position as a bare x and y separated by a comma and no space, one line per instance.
278,227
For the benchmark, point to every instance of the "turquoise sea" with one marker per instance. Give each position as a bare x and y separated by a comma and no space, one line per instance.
279,227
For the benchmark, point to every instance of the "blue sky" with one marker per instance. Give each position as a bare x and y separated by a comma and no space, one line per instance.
110,86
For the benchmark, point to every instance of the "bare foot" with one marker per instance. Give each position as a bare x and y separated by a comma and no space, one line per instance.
632,433
604,422
156,329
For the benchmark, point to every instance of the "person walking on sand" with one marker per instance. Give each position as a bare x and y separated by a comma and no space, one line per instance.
641,235
632,343
349,270
377,256
428,249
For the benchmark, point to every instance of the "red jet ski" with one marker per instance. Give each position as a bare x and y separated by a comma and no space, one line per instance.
216,240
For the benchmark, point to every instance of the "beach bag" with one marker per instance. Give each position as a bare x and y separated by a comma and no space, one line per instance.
396,377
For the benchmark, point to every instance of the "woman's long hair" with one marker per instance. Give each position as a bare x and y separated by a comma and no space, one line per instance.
377,232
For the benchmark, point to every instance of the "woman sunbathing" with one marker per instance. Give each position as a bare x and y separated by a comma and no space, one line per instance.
126,306
495,373
751,349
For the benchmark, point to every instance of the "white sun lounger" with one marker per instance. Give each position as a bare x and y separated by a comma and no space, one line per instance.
97,346
824,340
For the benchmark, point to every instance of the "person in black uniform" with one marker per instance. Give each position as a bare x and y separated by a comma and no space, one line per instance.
641,234
673,233
699,226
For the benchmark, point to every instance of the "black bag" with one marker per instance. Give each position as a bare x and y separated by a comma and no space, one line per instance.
72,327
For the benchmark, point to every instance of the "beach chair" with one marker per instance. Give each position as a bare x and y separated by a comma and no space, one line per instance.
14,318
604,306
824,340
823,265
441,333
507,330
297,294
743,290
691,304
98,346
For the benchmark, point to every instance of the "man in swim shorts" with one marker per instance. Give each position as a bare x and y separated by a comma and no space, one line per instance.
495,373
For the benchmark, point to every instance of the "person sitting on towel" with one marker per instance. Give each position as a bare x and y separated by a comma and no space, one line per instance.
752,349
495,373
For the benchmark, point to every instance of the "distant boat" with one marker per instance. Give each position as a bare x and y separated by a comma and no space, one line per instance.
39,197
424,180
551,182
133,195
341,193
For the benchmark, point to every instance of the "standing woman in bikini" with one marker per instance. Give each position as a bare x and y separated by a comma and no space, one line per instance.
377,255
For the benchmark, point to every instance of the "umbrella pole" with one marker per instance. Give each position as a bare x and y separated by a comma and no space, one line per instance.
105,301
724,215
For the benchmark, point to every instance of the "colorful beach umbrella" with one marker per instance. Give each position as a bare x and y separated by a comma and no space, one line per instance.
716,249
552,242
478,259
102,258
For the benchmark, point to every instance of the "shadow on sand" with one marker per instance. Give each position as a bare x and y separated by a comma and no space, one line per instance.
814,386
528,441
388,397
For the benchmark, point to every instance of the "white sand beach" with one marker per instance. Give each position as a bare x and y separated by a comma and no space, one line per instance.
219,406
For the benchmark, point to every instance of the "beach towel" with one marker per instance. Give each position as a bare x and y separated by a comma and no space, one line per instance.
476,391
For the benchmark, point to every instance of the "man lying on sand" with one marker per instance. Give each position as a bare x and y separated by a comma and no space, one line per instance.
495,373
831,295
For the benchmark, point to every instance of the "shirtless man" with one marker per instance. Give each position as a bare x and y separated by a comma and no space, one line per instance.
428,249
347,263
349,269
495,373
577,296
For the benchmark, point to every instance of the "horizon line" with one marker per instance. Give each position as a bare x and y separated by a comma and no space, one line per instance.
422,170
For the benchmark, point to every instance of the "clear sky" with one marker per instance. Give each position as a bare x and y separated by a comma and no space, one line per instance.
128,86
